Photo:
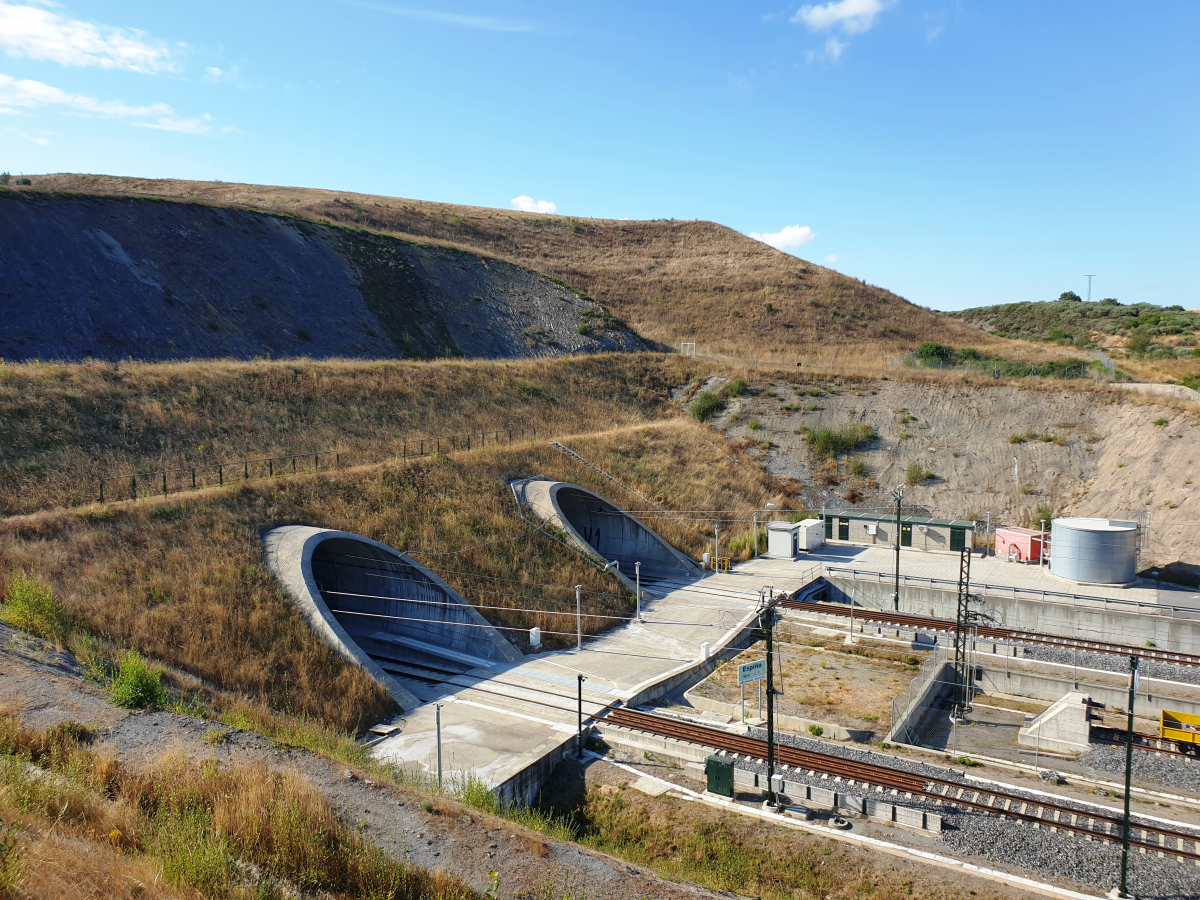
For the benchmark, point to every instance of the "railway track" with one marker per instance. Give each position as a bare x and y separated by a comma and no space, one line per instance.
1149,742
1093,825
904,620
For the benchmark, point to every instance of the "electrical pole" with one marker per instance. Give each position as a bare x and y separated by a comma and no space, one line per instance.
899,495
962,625
1133,686
767,621
1089,278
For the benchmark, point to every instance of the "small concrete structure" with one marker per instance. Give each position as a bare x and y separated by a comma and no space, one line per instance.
601,529
1018,544
1063,728
785,540
916,532
381,609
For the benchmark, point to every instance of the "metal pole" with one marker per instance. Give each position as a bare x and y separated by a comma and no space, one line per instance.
578,619
987,535
1042,544
1133,683
637,571
716,546
770,621
582,679
437,713
756,534
899,494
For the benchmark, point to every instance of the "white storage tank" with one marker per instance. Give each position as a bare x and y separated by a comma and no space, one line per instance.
1095,551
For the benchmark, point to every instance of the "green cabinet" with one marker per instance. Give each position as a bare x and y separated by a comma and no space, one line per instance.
906,535
958,539
719,772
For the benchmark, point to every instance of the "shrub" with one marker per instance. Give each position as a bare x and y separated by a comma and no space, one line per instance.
1160,422
1044,511
737,387
705,406
968,354
137,684
754,424
828,442
1070,295
931,352
816,730
916,473
30,606
857,467
4,179
582,329
1016,438
1139,341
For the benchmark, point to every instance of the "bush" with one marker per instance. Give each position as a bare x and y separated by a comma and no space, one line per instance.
828,442
754,424
857,467
1139,341
137,684
1160,422
916,473
737,387
816,730
30,606
1070,295
930,352
705,406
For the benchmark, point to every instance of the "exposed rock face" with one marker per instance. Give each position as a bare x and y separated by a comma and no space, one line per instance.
109,278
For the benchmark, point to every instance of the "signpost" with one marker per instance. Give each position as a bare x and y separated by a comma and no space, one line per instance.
748,673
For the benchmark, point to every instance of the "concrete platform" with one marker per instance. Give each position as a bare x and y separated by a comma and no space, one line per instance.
512,723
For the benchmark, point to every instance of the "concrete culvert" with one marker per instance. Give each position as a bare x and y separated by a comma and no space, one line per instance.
381,609
599,527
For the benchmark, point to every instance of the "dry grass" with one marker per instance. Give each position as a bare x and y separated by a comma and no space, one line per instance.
236,831
62,427
183,579
670,280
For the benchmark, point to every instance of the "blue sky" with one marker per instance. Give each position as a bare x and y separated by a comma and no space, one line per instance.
957,153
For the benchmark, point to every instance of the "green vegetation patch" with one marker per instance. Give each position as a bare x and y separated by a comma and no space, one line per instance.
938,356
828,442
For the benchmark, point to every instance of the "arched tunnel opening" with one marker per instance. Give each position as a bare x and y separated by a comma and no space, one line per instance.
401,615
616,535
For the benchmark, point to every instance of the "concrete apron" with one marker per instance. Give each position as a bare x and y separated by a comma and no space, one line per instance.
510,725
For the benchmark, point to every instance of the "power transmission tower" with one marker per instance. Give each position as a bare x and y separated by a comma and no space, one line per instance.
964,624
1089,278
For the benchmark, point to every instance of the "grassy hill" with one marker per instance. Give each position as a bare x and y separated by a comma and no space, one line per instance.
1086,324
670,280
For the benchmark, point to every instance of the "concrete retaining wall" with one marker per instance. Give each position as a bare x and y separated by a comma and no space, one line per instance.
1039,686
1112,624
940,684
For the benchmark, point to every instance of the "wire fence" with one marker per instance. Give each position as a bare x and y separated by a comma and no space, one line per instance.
162,482
904,705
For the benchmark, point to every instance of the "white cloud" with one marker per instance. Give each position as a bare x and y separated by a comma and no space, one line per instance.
791,236
27,94
835,48
852,16
213,75
456,20
528,204
36,33
831,258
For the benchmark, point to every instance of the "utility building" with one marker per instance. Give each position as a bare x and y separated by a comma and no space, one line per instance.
916,532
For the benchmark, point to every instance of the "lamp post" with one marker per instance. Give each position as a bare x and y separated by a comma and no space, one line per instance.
1133,686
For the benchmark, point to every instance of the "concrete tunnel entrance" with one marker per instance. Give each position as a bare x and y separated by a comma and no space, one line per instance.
383,610
600,527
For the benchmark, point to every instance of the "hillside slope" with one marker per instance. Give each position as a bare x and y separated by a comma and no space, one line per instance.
670,280
107,278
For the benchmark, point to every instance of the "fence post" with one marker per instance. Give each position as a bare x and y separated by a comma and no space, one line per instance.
468,440
405,451
293,464
221,475
132,487
102,480
193,478
316,460
164,484
246,470
271,468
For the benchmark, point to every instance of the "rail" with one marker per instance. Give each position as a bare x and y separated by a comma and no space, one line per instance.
191,478
1084,819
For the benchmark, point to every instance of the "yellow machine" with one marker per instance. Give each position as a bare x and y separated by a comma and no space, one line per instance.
1183,728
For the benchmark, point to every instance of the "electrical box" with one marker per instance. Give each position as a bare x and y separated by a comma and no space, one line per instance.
719,772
